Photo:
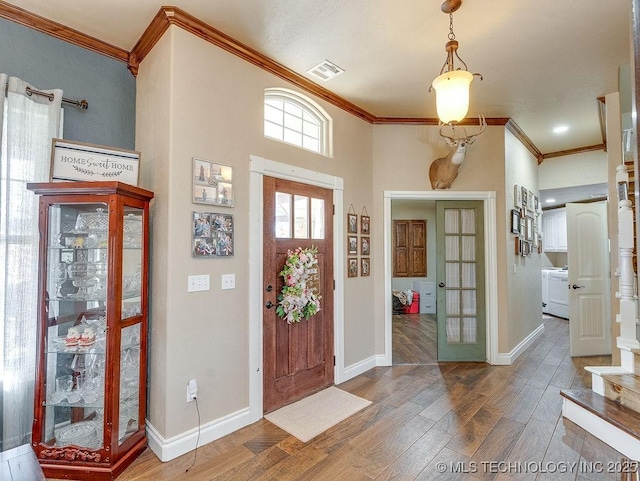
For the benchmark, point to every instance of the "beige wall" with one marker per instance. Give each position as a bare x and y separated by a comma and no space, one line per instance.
417,210
523,273
401,158
195,100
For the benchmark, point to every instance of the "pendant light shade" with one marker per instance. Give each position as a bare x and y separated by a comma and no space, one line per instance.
452,95
452,85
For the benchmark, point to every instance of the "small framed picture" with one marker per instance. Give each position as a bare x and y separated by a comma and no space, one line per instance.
515,221
517,196
529,228
352,263
365,266
212,183
364,224
352,223
525,198
212,235
365,246
352,245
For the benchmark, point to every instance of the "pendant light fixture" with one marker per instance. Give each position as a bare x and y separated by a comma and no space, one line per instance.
452,85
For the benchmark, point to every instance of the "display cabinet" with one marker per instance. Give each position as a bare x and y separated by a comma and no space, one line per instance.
90,393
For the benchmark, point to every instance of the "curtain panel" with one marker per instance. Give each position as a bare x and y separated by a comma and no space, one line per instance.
29,123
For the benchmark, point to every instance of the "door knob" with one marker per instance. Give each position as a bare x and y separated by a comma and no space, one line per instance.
269,305
441,284
269,288
576,286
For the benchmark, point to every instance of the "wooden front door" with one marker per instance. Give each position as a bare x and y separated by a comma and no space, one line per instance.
298,357
460,277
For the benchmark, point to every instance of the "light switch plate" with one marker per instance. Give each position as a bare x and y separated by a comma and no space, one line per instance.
198,283
228,281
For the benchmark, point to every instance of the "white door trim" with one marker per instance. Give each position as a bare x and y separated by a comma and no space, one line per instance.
490,254
259,167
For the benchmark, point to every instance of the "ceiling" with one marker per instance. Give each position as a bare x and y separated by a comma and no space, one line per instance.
544,62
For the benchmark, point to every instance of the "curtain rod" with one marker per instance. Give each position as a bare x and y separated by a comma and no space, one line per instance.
81,104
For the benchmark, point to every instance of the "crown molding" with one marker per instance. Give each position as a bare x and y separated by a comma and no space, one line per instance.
61,32
174,16
578,150
168,16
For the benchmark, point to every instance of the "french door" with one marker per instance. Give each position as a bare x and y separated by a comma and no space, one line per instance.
460,278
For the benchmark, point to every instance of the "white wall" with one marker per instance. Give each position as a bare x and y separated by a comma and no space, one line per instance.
523,273
571,170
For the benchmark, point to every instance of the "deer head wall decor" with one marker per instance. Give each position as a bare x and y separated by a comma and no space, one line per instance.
444,170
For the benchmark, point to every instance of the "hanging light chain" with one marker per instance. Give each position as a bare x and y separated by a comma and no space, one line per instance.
452,36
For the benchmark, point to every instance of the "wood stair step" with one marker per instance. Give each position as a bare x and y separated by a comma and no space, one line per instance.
610,411
623,389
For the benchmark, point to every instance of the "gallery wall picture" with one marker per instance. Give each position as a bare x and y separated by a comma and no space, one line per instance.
365,266
352,267
352,223
365,224
212,183
212,235
365,246
352,245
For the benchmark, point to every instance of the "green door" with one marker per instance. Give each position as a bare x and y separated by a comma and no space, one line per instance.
460,279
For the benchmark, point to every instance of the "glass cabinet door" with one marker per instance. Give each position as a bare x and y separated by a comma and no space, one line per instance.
76,333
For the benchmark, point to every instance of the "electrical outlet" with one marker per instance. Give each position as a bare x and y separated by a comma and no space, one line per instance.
192,390
228,281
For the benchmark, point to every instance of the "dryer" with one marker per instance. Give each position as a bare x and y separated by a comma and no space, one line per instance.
558,292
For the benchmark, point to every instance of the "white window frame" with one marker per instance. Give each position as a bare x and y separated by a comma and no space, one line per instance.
325,122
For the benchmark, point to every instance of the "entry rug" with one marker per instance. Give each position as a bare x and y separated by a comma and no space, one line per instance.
315,414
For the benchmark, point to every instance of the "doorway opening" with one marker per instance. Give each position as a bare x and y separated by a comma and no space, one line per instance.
489,253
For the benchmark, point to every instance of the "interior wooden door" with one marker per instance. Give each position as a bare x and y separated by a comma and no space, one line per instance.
298,357
460,276
589,285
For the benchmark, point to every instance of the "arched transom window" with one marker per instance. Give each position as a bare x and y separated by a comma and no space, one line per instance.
296,120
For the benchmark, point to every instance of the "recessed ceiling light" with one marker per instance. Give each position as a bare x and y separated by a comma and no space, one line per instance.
548,201
560,129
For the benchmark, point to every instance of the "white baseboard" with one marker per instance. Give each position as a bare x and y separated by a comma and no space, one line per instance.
168,449
601,429
363,366
506,359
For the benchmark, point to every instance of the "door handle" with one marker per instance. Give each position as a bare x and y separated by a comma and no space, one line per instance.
269,305
441,284
576,287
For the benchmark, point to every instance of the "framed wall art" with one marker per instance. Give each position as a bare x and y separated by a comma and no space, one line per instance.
352,223
88,162
352,267
365,246
352,245
515,221
212,235
365,224
212,183
365,266
517,196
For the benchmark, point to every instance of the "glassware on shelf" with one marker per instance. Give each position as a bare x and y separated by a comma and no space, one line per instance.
102,270
82,274
64,385
59,276
92,222
132,231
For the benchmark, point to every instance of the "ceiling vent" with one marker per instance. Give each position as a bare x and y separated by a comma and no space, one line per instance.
325,70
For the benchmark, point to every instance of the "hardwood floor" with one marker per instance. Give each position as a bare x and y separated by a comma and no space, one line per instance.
414,339
490,421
